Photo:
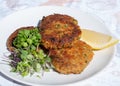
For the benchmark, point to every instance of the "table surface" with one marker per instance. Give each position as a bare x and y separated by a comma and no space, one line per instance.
107,10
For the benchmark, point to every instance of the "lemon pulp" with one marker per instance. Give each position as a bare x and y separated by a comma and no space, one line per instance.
97,40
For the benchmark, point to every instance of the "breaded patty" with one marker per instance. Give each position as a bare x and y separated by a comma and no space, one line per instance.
9,42
72,60
59,31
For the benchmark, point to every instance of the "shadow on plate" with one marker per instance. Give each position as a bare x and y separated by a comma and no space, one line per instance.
14,81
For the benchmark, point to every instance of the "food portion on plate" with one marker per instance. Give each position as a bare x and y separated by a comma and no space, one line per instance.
59,31
26,55
60,35
72,60
11,38
55,43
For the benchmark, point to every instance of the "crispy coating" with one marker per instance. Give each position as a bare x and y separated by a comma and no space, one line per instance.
72,60
59,31
9,42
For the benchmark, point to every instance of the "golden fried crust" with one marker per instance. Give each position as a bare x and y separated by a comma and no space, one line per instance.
59,31
12,37
65,19
72,60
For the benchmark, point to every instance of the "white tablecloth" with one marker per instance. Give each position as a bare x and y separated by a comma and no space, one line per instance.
107,10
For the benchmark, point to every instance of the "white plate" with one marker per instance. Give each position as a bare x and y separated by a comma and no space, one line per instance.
31,17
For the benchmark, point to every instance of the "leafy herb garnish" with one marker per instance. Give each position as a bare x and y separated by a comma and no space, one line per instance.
27,57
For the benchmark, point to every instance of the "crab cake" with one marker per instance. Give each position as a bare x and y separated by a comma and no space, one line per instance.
72,60
13,35
59,31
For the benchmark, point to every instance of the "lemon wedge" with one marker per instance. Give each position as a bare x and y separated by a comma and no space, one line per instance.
97,40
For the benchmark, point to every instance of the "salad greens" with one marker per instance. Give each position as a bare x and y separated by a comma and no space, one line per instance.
27,39
28,57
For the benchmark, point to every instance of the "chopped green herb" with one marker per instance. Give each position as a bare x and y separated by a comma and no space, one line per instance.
58,26
85,55
66,25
